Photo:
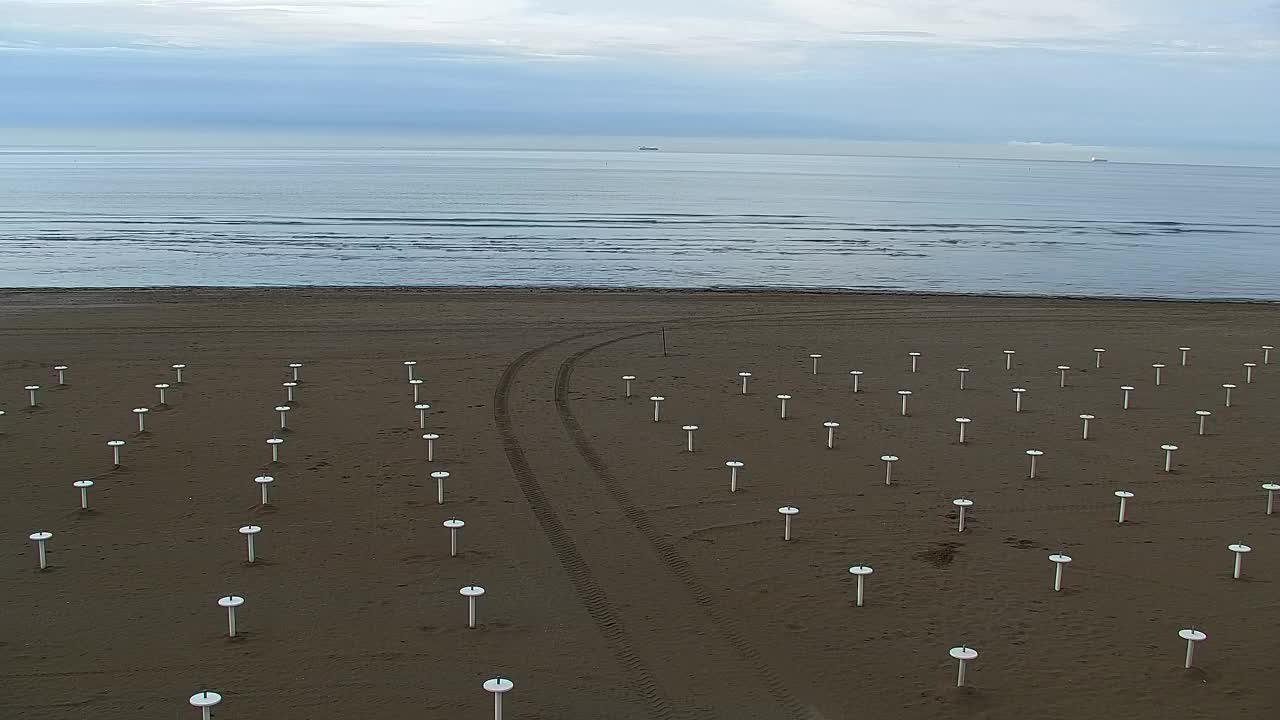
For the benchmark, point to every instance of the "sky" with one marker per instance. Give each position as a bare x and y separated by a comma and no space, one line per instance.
1169,73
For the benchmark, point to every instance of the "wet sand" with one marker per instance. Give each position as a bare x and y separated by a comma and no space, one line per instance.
624,579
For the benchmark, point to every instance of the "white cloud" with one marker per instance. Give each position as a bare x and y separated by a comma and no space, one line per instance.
769,30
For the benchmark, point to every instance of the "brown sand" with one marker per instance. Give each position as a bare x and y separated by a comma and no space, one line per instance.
624,580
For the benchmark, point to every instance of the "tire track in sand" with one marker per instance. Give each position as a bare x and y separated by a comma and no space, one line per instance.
666,552
584,582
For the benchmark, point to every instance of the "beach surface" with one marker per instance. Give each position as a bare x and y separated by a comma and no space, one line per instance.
623,578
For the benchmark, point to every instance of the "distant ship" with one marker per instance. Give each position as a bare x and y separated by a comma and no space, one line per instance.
648,147
1097,159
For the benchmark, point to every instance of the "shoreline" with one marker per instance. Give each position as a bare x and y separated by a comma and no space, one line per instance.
717,291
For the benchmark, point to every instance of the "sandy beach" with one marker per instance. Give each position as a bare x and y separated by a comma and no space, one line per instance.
623,579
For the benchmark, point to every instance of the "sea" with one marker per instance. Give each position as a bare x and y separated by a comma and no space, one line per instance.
1018,220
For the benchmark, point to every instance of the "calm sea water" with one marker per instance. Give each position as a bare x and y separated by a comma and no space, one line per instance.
370,216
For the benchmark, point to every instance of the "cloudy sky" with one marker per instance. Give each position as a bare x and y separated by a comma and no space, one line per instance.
1090,72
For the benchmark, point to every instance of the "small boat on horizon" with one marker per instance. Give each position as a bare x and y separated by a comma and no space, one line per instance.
651,148
1097,159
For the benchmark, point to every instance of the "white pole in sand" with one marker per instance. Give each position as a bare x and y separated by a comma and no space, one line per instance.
83,486
115,446
498,686
1239,550
178,368
431,439
963,372
962,421
1084,435
440,477
889,460
734,466
1058,560
856,375
288,389
1168,456
1266,354
831,433
1158,367
861,572
745,377
62,374
31,394
1017,399
41,537
1184,351
1062,375
471,592
1127,389
205,700
1248,372
275,448
1192,636
1097,357
263,481
1008,359
1124,496
914,356
295,367
1271,489
454,525
1228,387
142,419
784,399
787,511
1203,414
1034,454
963,504
248,531
964,655
408,364
657,407
689,430
231,602
422,409
162,387
628,379
283,409
815,357
416,384
904,394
